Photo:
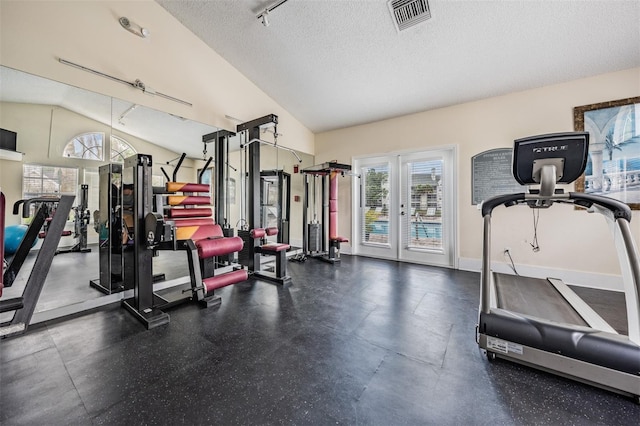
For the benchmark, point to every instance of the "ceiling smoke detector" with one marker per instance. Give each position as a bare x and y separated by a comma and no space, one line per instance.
407,13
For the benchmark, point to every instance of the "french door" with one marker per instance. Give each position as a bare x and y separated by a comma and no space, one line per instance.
404,207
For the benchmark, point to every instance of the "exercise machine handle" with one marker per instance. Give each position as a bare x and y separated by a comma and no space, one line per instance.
27,204
204,169
619,209
175,171
508,200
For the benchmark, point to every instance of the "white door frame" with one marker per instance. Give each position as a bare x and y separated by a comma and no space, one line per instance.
392,250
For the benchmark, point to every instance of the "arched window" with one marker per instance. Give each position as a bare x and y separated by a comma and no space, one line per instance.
120,149
87,146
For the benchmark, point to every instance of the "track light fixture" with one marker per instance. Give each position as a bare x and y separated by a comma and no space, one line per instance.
134,28
124,114
264,16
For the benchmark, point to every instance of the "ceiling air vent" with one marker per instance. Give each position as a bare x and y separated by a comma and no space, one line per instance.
407,13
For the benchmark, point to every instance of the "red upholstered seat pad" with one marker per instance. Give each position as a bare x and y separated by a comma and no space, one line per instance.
63,234
340,239
275,247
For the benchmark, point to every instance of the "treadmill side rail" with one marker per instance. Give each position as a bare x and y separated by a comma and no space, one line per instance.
585,372
582,343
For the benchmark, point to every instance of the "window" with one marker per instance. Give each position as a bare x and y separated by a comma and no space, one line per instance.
88,146
38,180
120,149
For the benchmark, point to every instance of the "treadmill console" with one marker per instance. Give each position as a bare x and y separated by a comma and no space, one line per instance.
567,151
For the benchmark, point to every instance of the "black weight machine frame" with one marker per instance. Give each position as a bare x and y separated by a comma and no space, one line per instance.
149,230
25,305
250,255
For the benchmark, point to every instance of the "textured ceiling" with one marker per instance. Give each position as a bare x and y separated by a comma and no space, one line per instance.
334,64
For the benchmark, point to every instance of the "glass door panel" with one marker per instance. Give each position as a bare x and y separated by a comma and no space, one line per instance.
406,207
427,216
376,211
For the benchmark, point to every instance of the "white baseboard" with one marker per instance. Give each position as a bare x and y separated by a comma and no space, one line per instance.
577,278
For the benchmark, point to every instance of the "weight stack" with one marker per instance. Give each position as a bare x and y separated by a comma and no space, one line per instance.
245,255
314,237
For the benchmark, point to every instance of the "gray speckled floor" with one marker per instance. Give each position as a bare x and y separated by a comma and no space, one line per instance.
364,342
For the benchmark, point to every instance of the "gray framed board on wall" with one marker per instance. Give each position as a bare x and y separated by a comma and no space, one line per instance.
491,175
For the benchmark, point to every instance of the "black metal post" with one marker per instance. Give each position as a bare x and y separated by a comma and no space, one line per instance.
142,304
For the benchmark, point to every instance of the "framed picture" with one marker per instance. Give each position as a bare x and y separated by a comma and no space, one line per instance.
613,167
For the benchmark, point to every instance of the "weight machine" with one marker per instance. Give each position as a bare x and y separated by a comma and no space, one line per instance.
185,227
254,233
320,235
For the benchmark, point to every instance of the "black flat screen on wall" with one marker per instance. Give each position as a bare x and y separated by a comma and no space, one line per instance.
8,139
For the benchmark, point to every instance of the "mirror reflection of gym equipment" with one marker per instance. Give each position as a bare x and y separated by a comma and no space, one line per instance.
275,199
81,220
51,210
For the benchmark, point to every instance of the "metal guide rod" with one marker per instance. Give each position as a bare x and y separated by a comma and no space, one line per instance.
276,146
138,84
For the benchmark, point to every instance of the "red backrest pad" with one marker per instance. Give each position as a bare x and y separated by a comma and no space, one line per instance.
218,246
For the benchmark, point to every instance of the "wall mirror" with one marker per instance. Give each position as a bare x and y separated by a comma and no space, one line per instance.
66,133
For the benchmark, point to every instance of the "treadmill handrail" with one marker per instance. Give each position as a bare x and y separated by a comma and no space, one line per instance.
619,209
492,203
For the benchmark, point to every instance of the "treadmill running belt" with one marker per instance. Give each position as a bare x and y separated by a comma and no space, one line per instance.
534,297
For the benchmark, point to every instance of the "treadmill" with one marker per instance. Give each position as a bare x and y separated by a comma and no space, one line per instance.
542,323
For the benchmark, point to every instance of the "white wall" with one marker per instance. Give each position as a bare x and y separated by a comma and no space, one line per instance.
570,240
34,34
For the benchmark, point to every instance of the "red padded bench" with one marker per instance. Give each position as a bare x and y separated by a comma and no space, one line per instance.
279,250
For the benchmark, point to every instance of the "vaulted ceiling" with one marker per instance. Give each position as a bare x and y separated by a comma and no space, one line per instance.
335,64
